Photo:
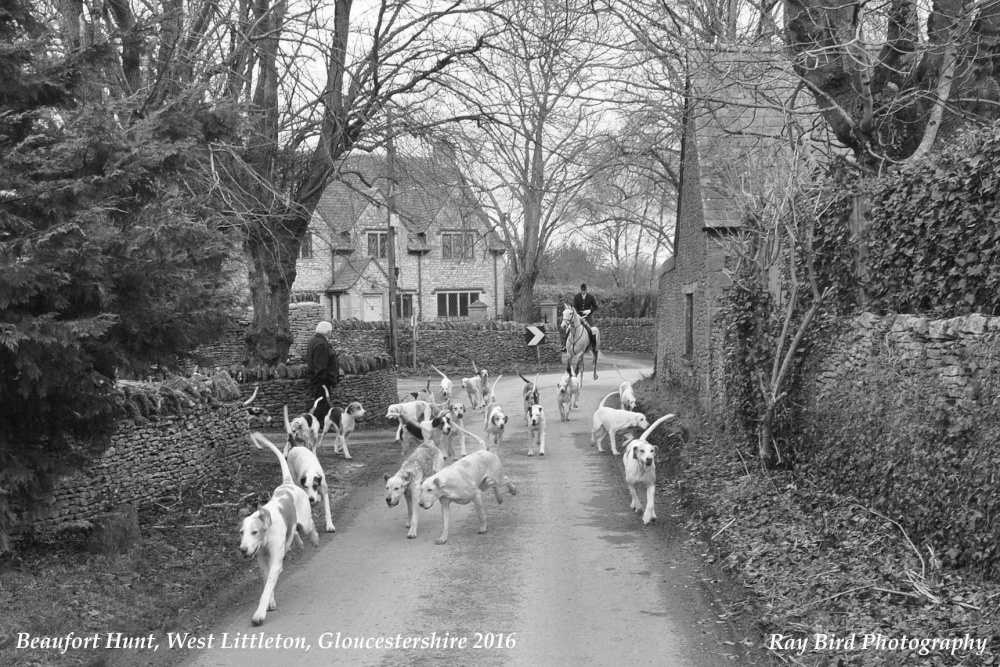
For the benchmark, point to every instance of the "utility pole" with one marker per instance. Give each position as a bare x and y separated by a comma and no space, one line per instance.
391,237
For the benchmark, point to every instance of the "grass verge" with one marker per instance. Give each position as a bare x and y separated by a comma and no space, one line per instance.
184,570
820,568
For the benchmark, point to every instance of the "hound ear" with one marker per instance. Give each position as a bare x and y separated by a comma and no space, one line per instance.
437,482
385,477
635,453
265,517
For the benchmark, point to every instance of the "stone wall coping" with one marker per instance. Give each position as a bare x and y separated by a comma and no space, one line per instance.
952,327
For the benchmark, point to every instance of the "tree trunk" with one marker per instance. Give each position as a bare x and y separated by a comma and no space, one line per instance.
768,454
271,255
524,290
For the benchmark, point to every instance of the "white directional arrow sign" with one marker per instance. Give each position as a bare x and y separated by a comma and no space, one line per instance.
533,335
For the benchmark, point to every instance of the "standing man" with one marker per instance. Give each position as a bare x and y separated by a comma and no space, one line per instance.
322,364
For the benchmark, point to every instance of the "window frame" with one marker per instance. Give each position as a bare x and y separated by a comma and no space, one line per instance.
465,237
404,305
689,326
452,302
381,243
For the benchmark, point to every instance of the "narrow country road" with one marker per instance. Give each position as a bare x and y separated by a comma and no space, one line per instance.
565,575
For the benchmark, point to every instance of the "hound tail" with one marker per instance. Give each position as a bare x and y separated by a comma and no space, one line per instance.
493,391
482,443
263,443
253,396
645,434
603,400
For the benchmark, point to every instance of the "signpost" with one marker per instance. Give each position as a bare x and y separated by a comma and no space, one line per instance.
533,335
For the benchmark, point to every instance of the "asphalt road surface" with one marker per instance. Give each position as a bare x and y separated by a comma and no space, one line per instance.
565,575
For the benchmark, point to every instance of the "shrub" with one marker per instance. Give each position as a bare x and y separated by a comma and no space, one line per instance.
932,470
933,240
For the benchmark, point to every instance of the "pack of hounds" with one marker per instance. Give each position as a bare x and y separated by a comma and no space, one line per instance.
428,423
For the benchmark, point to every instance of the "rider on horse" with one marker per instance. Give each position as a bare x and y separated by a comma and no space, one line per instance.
585,304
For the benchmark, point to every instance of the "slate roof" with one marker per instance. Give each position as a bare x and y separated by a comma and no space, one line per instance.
428,191
745,105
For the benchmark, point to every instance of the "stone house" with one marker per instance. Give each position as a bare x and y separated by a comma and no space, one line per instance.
742,110
446,255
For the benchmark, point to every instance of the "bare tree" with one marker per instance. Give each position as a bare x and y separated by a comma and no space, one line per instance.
621,212
780,209
889,83
310,81
542,85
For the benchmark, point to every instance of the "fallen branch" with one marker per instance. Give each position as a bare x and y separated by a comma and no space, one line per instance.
832,597
745,467
923,565
719,532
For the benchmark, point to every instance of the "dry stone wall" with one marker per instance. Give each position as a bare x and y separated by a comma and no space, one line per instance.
635,335
369,380
499,346
146,460
949,356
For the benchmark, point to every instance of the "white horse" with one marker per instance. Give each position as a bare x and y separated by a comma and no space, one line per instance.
578,341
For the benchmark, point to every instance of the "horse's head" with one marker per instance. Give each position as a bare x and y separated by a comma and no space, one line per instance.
569,316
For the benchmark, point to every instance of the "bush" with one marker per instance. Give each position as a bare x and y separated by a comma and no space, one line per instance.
932,470
934,237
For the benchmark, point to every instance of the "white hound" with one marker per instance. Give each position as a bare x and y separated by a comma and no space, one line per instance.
303,430
457,412
627,396
269,532
569,392
536,430
463,482
416,411
446,386
640,460
308,474
529,394
496,420
610,421
476,387
342,421
420,464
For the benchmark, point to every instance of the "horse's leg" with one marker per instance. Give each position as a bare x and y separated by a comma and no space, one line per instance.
597,343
